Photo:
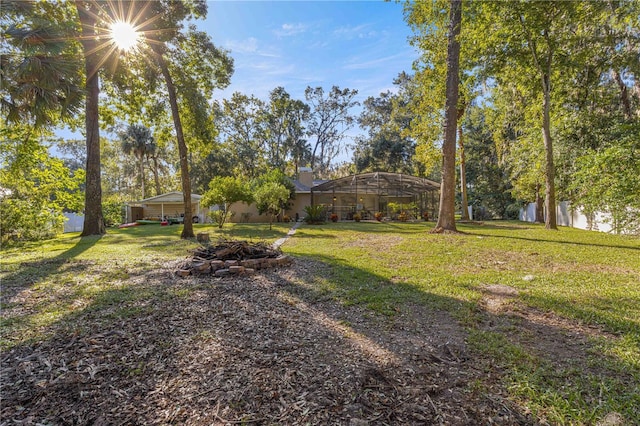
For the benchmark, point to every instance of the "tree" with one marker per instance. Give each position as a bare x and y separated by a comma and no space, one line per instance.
199,68
387,146
225,191
283,120
446,214
616,188
35,188
241,125
269,198
536,46
88,14
44,36
488,176
137,140
41,78
329,121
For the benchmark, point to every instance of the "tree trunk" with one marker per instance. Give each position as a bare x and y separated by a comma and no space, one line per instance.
187,229
624,95
446,216
156,175
141,171
539,206
463,177
549,175
93,219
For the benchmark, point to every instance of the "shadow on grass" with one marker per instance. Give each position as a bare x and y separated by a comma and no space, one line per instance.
547,240
32,272
324,343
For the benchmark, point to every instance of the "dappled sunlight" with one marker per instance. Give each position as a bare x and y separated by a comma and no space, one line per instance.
361,326
364,344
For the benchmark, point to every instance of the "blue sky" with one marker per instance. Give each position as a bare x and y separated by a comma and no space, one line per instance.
361,45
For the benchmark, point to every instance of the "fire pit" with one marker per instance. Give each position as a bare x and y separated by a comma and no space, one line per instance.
232,257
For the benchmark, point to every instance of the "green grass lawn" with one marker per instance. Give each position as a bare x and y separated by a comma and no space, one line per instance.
588,278
569,282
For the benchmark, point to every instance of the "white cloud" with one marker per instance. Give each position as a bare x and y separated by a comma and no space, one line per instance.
287,30
356,64
361,31
249,45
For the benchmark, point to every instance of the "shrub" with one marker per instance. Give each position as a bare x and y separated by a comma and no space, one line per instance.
315,214
113,211
512,211
219,217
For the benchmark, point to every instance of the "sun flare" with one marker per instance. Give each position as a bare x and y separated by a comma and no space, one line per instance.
124,35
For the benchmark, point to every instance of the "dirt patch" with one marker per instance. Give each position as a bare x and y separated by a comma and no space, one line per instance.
496,297
254,350
383,243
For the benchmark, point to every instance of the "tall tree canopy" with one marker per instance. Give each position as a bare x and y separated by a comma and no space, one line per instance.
330,119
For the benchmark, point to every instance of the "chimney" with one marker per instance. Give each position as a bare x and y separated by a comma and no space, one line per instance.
305,176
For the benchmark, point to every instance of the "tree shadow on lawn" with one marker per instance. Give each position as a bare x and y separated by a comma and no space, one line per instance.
277,347
548,240
30,273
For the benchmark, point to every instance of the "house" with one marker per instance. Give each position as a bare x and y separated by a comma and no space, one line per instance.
365,193
164,206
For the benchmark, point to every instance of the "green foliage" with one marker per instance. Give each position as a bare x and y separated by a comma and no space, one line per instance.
41,80
35,188
113,210
219,217
329,120
224,191
608,180
387,146
315,214
138,141
487,174
269,198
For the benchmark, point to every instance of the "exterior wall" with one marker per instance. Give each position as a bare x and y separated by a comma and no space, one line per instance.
298,205
244,213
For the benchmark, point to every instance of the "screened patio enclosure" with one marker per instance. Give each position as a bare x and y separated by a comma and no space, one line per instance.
368,193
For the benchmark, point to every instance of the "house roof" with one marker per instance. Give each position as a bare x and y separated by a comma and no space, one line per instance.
302,188
169,197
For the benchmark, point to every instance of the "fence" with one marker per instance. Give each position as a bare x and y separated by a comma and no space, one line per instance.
567,217
74,222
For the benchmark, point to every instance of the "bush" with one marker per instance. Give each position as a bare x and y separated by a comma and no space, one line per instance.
113,211
512,211
315,214
21,220
219,217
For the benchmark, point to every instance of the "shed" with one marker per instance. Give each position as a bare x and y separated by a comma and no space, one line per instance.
164,206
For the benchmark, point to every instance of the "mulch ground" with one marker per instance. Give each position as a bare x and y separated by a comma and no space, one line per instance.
263,349
271,349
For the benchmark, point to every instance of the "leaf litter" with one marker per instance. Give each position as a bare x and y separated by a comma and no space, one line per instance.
262,349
